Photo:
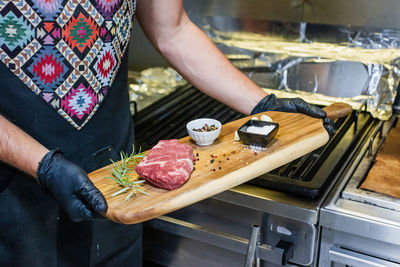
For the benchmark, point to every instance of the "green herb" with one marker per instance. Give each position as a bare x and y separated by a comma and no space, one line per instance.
122,172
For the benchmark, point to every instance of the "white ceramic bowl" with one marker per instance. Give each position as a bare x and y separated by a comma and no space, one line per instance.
203,138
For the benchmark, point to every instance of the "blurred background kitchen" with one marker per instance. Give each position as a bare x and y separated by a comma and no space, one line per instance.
314,211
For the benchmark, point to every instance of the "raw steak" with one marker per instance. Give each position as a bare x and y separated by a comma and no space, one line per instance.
168,165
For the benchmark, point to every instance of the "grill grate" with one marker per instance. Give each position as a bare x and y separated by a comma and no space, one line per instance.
308,175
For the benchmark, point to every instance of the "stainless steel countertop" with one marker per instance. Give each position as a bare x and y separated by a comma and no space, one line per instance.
360,218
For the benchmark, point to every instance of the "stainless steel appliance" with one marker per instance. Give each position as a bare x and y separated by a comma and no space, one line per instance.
285,203
305,213
360,227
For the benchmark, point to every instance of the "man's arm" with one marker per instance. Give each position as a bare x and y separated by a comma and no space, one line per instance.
19,149
67,182
194,56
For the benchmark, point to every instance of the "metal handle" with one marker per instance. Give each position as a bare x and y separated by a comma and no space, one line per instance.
134,104
278,255
352,258
379,129
254,241
363,104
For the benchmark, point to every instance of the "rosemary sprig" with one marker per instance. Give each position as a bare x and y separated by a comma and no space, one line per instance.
122,172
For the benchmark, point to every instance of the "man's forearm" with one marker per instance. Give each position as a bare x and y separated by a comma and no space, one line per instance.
195,57
18,149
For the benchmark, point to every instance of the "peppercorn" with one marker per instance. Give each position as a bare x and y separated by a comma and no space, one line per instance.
212,161
219,168
197,154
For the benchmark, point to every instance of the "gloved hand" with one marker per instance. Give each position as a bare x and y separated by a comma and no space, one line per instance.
294,105
71,187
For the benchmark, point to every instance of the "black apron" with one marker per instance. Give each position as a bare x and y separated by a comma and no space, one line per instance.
34,231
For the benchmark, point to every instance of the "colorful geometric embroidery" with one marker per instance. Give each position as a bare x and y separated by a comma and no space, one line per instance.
107,7
66,51
104,64
80,32
48,9
47,69
79,101
14,31
48,33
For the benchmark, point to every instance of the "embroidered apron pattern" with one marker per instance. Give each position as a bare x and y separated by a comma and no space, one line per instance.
66,51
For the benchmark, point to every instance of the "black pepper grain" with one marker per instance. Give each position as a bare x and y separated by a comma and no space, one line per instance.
212,161
197,154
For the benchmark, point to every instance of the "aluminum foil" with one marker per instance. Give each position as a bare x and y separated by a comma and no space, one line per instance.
363,68
152,84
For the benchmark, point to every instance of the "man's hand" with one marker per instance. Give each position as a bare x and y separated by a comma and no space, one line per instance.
71,187
294,105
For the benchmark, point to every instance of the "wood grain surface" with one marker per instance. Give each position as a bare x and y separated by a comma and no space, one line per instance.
338,110
234,164
384,176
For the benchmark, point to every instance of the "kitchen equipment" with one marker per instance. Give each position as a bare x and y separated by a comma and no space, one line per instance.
289,203
360,227
384,176
221,166
284,202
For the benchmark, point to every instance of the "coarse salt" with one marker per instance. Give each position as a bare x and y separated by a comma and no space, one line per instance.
260,130
257,148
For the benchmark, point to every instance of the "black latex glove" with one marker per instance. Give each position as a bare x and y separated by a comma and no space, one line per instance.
294,105
71,187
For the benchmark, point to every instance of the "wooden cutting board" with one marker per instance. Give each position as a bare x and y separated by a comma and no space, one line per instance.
384,176
220,166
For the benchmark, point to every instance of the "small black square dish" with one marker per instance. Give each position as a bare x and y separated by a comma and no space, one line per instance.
258,133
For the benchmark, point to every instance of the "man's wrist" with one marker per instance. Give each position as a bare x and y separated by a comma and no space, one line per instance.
263,104
44,165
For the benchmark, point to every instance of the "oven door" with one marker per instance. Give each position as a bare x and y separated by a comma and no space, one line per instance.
217,233
339,256
346,249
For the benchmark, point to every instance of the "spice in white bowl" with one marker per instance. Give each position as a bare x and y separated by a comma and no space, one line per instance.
208,135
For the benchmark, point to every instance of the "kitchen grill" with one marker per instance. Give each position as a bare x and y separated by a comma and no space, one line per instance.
285,202
312,205
307,176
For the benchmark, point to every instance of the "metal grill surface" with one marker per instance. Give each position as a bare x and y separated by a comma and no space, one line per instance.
307,176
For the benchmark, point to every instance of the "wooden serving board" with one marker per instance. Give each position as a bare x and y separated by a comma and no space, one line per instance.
234,164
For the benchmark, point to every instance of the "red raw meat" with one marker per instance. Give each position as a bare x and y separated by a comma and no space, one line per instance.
168,165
